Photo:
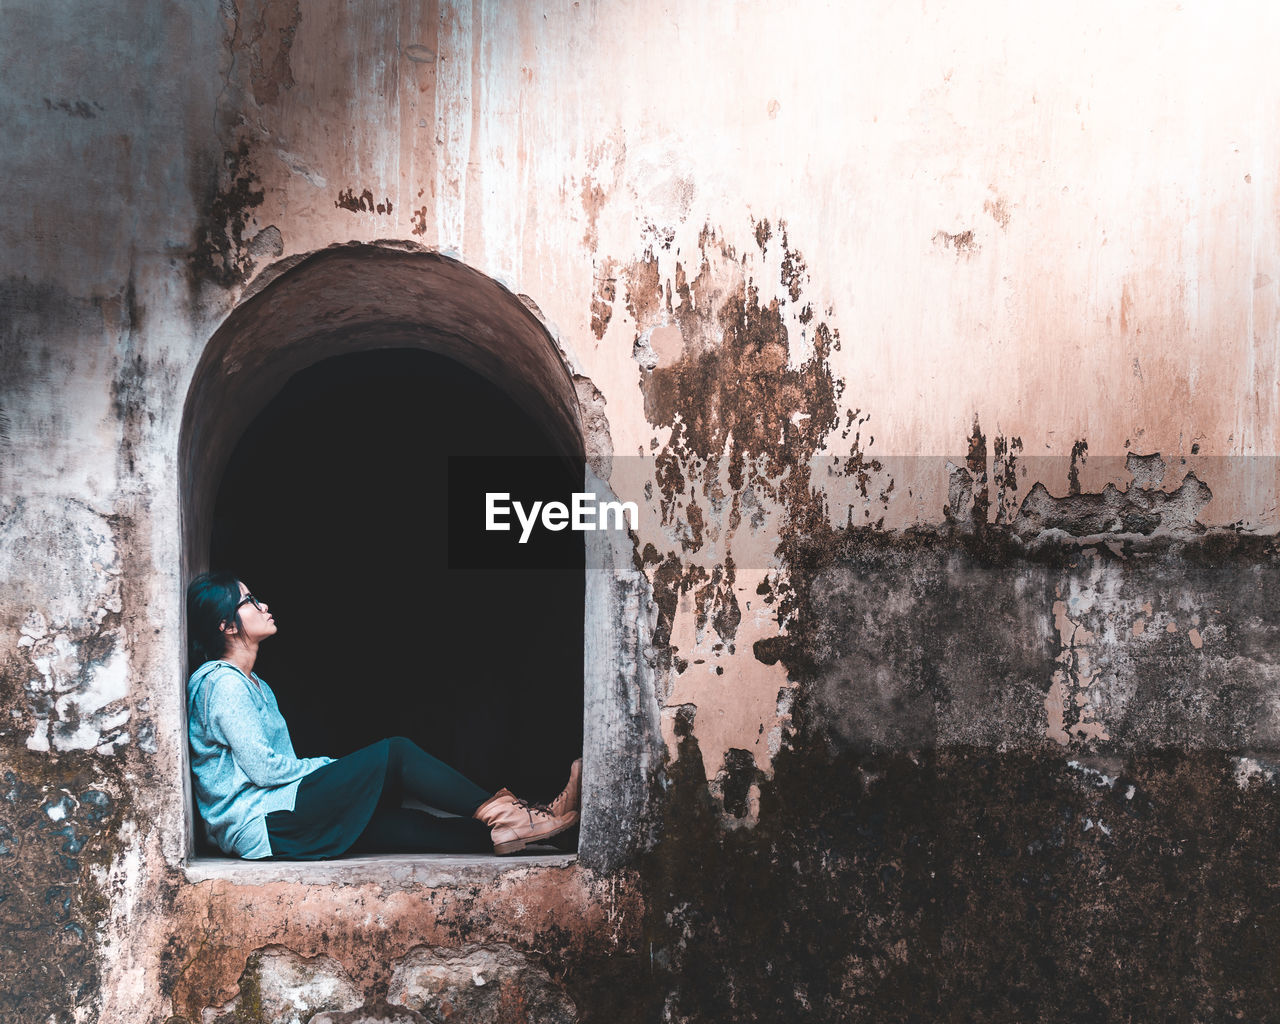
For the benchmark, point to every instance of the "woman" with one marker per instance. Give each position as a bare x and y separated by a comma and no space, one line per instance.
258,799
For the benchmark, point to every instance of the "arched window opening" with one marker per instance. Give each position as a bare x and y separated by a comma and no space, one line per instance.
334,508
339,378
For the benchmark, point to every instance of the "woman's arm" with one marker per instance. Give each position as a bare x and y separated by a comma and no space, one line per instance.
257,736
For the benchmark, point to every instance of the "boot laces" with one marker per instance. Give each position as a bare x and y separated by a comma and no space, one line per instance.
531,806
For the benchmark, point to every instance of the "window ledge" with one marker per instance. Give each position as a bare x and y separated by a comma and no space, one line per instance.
396,870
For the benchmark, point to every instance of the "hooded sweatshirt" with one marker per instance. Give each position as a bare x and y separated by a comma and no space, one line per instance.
241,756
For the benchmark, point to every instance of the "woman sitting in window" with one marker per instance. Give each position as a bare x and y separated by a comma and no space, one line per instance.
258,799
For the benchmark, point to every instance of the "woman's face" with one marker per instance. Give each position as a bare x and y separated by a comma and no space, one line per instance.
257,623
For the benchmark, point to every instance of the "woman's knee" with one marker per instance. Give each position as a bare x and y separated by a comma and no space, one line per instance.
399,747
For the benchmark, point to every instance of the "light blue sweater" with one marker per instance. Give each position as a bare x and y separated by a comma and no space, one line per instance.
241,756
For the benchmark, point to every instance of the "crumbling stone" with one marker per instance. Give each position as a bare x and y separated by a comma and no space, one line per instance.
1136,510
479,984
376,1013
279,986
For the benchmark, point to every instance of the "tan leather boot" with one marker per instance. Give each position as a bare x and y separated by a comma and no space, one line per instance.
514,824
570,798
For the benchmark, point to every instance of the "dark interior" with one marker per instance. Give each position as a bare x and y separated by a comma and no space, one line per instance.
335,511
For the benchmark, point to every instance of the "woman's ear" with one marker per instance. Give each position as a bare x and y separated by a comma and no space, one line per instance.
227,627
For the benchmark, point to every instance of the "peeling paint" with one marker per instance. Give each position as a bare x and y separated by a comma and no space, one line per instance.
1068,704
264,31
363,202
222,242
75,668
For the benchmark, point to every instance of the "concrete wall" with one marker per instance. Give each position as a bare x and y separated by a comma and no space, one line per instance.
893,308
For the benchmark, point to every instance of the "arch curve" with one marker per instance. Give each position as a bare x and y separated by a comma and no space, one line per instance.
359,297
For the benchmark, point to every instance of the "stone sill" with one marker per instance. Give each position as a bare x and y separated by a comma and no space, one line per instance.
398,870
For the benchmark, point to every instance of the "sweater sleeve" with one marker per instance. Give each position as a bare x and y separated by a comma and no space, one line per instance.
237,720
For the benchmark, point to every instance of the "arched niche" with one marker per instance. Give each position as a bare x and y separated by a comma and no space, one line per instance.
360,297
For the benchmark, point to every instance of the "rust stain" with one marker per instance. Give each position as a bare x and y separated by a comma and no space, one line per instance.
999,211
962,243
763,233
593,200
793,267
418,217
606,291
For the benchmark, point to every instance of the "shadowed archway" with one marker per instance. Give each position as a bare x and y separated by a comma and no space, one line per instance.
335,508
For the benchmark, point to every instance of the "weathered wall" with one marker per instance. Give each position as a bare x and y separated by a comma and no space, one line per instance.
965,711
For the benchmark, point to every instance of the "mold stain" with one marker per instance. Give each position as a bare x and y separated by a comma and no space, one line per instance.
732,389
129,386
364,203
740,418
793,266
862,470
58,820
85,109
1079,453
1004,472
221,253
742,422
887,884
763,233
971,503
863,863
976,463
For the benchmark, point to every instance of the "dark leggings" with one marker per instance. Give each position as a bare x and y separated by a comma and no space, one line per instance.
413,773
352,805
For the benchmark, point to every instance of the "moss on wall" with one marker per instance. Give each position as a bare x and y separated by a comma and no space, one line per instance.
57,820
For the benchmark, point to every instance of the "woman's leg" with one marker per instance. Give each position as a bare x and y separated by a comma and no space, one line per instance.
404,830
412,772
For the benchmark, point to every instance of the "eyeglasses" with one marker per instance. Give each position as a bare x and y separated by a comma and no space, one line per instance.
249,599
